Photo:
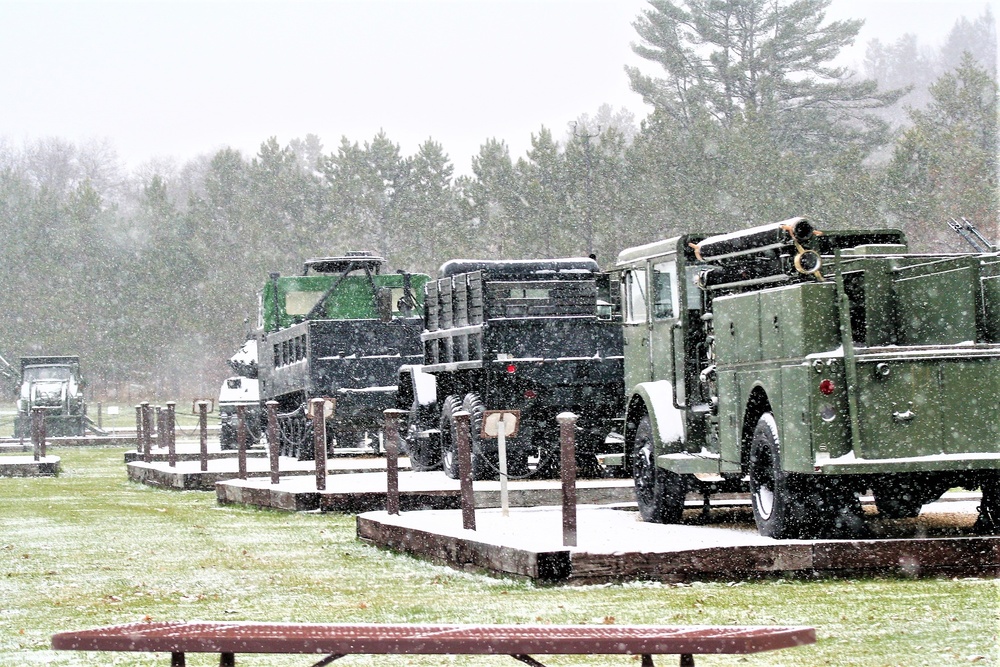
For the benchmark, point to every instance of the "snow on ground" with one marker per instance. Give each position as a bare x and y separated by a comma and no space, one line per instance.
599,530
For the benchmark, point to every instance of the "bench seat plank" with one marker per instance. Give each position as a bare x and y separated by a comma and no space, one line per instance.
384,639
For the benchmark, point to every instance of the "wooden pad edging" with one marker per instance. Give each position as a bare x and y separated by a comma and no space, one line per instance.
873,557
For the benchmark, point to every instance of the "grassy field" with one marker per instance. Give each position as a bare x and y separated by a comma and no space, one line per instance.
119,416
90,548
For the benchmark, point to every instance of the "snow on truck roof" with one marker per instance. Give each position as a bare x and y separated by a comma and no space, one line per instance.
352,261
520,267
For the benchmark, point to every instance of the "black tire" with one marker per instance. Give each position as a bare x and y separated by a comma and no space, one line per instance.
659,493
903,497
988,522
301,438
423,454
777,506
485,461
449,437
227,437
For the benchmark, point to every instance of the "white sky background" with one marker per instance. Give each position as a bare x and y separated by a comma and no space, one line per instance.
183,78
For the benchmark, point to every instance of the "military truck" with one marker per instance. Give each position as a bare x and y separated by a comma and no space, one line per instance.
807,368
537,336
54,384
340,331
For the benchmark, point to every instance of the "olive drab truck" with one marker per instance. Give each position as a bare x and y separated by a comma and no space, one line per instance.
538,337
807,368
54,385
339,331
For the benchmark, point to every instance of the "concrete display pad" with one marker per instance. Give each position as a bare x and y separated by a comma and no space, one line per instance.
187,475
27,466
615,545
188,453
361,492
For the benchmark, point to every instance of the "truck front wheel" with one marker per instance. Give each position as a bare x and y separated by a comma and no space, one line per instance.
658,492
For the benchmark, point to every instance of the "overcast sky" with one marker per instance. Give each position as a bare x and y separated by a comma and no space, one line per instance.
179,79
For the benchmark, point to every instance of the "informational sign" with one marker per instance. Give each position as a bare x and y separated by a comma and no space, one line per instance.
329,407
491,422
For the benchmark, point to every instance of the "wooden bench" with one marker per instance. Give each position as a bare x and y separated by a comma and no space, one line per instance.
517,641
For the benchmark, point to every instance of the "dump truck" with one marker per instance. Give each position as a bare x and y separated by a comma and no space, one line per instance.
806,368
339,331
54,384
532,337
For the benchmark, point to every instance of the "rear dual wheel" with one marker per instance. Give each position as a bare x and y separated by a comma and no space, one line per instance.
793,506
484,465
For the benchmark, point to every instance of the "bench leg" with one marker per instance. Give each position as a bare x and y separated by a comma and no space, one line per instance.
227,660
526,659
177,660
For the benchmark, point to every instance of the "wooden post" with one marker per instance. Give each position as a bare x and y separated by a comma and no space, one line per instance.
462,419
203,430
171,424
319,441
147,428
138,429
567,447
160,440
43,434
392,447
241,439
273,449
36,432
100,423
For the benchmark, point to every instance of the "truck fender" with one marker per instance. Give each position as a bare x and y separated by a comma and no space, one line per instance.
424,384
657,400
417,393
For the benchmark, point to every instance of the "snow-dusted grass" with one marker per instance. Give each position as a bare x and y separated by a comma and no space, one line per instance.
90,548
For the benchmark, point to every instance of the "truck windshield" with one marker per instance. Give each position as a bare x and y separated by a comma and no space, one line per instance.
635,296
47,373
300,303
663,290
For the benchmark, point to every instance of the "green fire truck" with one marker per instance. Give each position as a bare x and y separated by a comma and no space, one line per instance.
808,368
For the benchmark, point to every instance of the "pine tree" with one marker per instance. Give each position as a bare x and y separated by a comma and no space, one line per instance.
946,165
760,61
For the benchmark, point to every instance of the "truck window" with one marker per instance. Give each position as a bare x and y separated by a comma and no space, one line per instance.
635,296
300,303
663,291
